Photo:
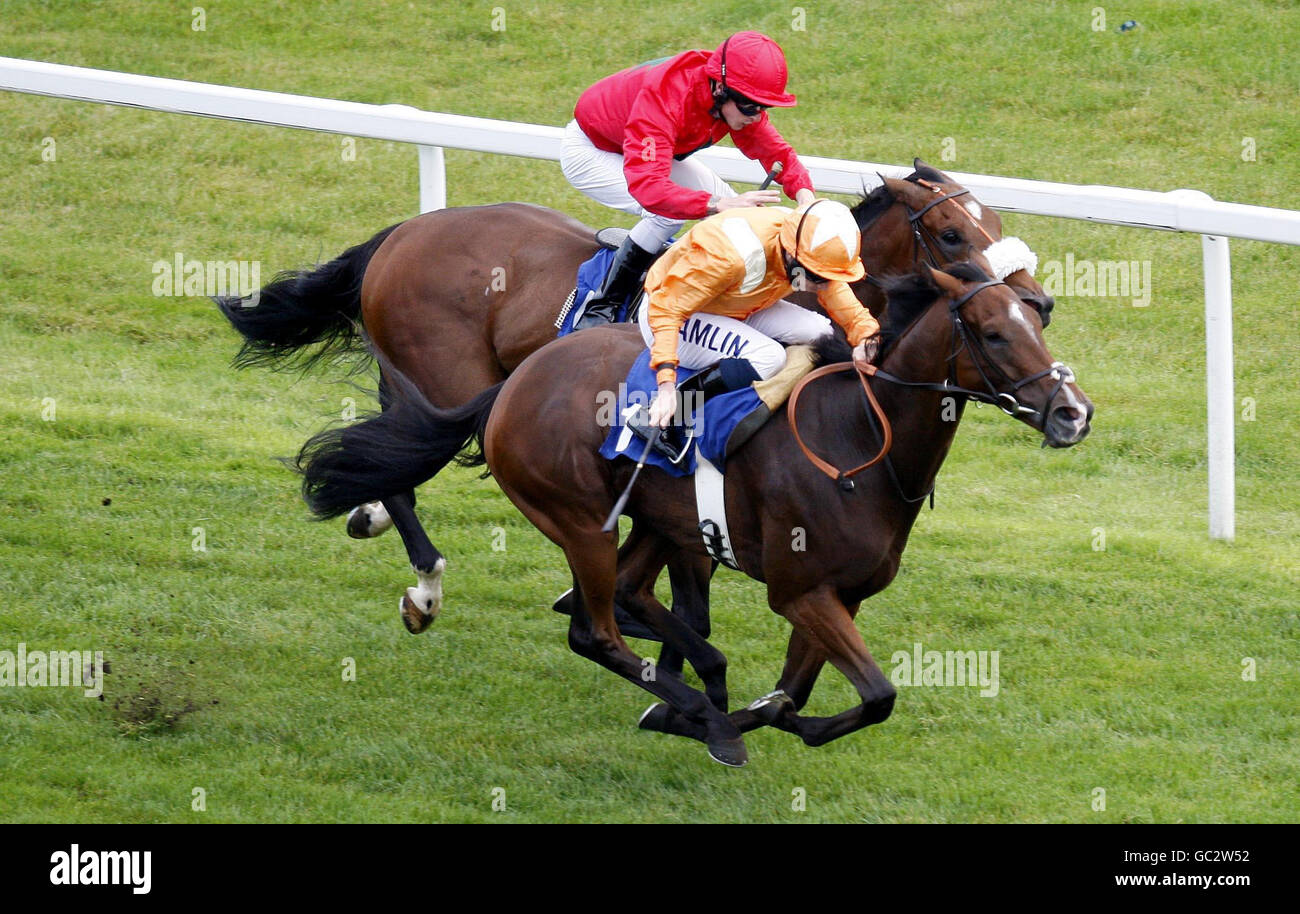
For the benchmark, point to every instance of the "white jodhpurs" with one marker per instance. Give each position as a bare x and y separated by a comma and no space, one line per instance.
706,338
599,175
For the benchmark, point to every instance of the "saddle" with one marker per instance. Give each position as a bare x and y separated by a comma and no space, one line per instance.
592,273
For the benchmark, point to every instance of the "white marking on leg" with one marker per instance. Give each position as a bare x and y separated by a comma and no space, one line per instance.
369,520
427,595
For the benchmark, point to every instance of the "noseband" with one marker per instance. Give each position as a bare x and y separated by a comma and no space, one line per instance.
962,337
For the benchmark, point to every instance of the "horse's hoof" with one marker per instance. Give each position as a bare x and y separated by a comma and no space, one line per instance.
368,521
771,706
729,752
564,603
654,717
423,602
414,618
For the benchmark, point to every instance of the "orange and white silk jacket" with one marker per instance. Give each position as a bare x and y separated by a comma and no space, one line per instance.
731,264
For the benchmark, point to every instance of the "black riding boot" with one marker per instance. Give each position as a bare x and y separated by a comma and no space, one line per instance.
722,378
624,276
695,391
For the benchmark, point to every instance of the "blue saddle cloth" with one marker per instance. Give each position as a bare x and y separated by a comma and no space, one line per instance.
590,275
712,425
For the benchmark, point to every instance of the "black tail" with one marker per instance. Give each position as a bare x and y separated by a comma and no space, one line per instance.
393,451
299,308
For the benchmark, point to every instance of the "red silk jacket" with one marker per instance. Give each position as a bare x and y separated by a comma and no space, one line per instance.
659,111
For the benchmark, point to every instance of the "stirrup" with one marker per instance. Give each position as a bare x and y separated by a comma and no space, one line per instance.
597,313
639,423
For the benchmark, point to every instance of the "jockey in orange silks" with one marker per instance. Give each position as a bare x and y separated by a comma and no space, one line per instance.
629,144
717,296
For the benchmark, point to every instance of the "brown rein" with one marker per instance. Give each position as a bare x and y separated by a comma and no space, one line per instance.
864,371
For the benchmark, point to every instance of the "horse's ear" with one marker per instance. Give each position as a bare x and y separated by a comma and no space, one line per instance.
929,172
907,191
950,285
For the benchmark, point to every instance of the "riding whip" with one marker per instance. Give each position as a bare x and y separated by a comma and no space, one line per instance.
611,524
771,176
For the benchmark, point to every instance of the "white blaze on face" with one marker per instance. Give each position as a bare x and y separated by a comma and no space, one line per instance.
974,209
1017,315
1072,400
1081,411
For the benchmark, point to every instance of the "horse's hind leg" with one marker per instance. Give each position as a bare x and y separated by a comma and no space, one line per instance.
369,520
804,661
636,557
690,576
594,634
641,558
639,565
420,604
680,635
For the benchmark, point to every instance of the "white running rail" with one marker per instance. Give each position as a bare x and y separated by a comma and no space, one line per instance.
1179,210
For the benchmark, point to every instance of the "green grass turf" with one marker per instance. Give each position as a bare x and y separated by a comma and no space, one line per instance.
1120,669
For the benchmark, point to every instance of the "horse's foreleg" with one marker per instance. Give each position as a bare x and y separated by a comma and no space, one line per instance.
804,660
420,604
826,631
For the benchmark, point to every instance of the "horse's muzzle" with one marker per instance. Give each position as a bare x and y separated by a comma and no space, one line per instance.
1066,426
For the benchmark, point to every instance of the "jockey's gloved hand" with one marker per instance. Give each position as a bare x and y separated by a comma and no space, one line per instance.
867,350
665,404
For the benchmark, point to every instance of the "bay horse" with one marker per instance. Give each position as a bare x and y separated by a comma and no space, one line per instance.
953,335
456,299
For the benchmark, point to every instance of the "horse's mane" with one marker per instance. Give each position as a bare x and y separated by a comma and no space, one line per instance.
872,205
832,348
909,295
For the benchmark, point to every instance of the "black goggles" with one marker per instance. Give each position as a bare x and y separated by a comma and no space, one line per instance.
746,106
807,274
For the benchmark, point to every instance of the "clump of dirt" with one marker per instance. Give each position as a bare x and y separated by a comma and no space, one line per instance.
149,696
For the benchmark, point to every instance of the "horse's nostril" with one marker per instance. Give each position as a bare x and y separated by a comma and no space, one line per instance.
1066,415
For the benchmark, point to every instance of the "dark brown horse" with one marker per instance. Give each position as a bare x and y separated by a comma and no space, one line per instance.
948,335
457,299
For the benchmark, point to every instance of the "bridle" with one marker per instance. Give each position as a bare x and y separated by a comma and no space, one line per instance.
962,338
923,239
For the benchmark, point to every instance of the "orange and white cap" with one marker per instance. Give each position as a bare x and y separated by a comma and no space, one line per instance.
824,237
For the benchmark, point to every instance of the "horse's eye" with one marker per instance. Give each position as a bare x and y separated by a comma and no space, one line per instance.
951,236
993,337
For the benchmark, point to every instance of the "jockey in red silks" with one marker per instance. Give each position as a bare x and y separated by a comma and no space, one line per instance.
632,133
